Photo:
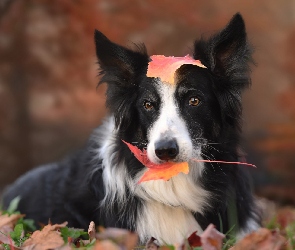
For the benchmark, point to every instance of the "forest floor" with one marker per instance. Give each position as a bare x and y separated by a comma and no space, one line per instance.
19,233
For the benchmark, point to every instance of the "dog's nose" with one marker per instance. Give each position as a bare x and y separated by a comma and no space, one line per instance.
166,149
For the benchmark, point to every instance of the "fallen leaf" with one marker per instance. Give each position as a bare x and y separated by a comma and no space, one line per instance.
165,67
151,244
7,224
120,236
285,216
5,235
194,240
9,220
262,239
47,238
91,231
106,244
211,238
65,247
164,171
166,248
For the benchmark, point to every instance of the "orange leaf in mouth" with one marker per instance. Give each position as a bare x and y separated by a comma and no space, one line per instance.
167,170
165,67
164,171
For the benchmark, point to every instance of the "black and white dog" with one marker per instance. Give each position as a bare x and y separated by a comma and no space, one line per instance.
197,117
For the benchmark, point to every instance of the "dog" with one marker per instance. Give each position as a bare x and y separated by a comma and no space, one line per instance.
198,117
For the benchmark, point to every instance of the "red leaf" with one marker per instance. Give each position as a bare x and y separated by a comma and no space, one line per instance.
137,153
194,240
165,67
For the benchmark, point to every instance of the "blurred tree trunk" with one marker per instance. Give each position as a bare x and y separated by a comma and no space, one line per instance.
18,142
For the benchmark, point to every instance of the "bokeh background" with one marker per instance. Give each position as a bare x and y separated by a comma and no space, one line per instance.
49,102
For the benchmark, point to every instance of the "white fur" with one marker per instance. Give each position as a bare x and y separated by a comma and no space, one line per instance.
169,225
169,125
115,176
168,207
180,190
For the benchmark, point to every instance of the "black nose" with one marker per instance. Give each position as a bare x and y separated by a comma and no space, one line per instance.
166,149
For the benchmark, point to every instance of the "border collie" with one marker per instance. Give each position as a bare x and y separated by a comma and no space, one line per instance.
198,117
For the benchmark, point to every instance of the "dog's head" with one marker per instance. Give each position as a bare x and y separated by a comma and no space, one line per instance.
175,121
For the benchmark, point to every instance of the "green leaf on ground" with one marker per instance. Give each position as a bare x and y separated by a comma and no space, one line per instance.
12,208
73,233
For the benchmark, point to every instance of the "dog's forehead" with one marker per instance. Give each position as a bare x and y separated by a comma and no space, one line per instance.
188,78
165,90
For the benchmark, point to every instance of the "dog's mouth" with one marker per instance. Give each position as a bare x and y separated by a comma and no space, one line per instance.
163,171
167,169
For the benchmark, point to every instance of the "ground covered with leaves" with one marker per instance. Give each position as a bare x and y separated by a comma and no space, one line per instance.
17,232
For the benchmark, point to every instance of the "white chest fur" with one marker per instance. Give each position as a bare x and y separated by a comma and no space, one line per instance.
169,225
168,206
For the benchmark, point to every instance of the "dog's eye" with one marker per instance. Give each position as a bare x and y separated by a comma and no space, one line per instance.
194,101
148,105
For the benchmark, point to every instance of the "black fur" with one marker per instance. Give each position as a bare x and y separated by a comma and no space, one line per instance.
73,189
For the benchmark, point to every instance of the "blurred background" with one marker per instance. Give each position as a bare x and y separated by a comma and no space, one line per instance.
49,102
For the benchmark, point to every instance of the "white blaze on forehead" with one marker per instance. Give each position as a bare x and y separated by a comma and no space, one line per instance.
169,124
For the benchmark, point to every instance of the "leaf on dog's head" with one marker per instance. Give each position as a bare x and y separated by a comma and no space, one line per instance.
164,171
165,67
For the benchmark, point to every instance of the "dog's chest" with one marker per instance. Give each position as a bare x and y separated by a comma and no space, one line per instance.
169,225
168,206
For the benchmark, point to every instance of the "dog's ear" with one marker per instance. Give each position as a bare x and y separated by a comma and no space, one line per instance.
227,54
118,65
121,69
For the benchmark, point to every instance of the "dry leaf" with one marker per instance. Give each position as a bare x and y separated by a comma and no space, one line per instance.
7,223
163,171
9,220
165,248
106,244
151,244
120,236
165,67
194,240
285,216
65,247
211,239
131,241
47,238
5,234
262,239
91,231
